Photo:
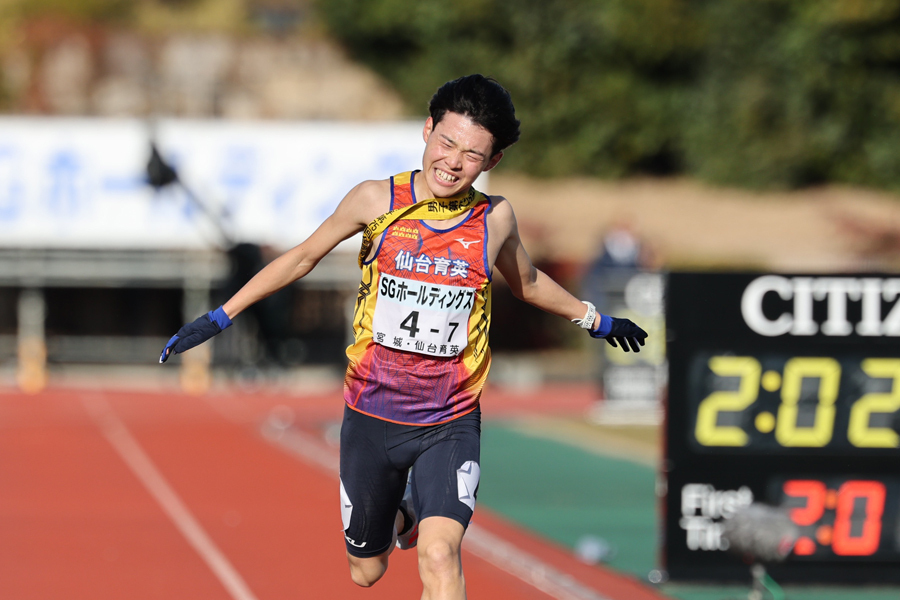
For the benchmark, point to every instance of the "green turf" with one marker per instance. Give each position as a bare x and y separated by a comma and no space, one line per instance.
563,492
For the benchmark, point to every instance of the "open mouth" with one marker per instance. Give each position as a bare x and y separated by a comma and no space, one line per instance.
445,177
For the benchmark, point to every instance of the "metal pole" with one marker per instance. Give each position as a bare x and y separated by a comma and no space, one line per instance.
32,348
195,364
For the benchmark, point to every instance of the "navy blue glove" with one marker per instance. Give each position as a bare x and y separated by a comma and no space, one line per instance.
622,331
195,333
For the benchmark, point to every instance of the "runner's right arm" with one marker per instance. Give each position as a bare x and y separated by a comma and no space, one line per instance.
359,207
297,262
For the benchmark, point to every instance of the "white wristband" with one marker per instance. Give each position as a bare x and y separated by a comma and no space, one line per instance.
588,321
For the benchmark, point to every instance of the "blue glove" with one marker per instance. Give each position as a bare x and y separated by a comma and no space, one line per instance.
197,332
622,331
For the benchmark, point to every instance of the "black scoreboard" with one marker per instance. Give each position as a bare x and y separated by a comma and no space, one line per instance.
784,389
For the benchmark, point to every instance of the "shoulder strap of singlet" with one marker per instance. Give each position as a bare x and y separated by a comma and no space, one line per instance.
436,209
401,190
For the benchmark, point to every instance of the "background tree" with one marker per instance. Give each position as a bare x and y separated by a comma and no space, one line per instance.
757,93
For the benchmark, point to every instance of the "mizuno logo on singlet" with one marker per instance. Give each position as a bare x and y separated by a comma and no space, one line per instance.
467,243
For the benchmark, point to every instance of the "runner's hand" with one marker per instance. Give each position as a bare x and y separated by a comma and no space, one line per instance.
622,331
195,333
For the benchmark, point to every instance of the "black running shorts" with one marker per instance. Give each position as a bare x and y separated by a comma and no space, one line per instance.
376,457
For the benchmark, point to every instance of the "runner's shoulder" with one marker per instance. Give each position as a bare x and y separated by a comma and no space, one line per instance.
500,214
370,199
499,204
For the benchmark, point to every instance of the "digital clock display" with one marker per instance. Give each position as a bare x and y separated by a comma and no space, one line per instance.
840,517
778,402
784,389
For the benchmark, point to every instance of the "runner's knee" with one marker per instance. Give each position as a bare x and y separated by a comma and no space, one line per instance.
365,572
439,559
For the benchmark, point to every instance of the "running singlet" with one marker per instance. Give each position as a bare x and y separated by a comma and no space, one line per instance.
420,354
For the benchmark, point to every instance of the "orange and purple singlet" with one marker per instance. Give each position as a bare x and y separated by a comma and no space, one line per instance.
420,354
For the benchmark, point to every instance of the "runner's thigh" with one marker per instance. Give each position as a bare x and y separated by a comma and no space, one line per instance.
371,486
446,473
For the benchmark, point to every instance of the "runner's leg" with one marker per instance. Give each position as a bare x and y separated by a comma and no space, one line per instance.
445,481
371,489
440,561
365,572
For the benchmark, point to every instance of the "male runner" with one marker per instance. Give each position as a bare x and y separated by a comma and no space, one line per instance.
410,439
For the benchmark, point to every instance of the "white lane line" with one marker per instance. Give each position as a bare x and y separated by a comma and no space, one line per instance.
483,544
527,567
303,445
143,468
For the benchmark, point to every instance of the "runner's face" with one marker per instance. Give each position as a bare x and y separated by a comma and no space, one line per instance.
457,151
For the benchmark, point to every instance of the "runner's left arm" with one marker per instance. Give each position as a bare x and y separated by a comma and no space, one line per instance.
530,284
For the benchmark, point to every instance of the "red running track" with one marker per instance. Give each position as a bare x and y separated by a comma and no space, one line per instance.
134,495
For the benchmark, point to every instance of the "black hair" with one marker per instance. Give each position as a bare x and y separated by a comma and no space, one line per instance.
483,100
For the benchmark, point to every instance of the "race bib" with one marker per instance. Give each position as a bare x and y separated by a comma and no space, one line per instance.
417,316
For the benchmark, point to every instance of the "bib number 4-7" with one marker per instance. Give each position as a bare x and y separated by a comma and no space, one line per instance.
411,324
422,317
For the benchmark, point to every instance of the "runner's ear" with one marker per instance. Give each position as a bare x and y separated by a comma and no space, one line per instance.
429,127
493,161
